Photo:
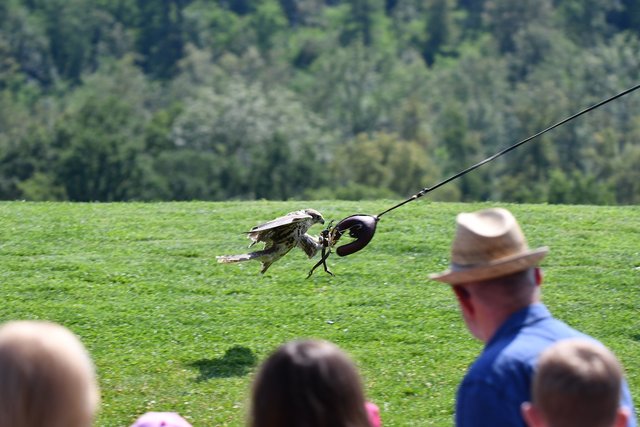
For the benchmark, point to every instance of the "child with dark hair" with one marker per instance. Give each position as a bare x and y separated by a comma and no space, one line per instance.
310,383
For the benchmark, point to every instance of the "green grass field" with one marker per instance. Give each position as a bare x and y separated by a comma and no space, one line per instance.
171,329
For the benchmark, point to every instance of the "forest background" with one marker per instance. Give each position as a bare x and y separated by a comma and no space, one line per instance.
117,100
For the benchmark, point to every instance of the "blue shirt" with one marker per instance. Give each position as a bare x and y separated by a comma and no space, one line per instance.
499,381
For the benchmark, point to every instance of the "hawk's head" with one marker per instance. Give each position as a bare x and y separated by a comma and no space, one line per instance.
315,216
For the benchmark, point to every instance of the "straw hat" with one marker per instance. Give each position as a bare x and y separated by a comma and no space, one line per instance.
488,244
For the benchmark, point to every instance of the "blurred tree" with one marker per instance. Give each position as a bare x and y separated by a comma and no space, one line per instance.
161,36
410,121
266,143
185,174
123,11
533,45
306,45
406,21
560,187
354,88
273,172
68,25
157,132
291,11
100,137
4,11
627,17
608,160
41,187
98,149
25,167
365,23
440,29
384,161
474,10
78,35
240,7
578,188
462,150
257,95
477,85
626,175
9,67
586,21
25,139
505,19
217,29
523,174
268,22
351,191
25,47
302,12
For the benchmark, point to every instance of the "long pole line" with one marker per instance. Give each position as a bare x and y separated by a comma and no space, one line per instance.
506,150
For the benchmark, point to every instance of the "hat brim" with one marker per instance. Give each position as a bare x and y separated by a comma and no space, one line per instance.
498,268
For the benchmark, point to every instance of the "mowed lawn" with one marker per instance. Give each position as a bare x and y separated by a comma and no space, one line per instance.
170,329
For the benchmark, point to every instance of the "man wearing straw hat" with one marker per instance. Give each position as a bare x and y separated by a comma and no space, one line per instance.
496,280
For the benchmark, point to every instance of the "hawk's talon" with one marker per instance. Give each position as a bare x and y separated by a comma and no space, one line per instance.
325,241
323,262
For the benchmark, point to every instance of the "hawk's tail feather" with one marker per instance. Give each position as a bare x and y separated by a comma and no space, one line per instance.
225,259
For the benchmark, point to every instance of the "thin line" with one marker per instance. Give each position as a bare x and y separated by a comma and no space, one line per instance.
506,150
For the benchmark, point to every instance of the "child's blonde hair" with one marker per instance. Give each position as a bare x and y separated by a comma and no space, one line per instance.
577,383
47,377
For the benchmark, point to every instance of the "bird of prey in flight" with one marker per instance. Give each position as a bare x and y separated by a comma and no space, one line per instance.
280,236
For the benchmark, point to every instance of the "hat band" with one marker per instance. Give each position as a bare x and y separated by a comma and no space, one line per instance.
455,268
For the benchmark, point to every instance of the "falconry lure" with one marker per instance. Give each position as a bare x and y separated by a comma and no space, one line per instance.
286,232
280,236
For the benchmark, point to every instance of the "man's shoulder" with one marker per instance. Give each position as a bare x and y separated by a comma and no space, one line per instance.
526,342
515,354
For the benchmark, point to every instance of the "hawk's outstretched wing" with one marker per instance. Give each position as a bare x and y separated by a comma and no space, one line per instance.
277,229
280,236
289,218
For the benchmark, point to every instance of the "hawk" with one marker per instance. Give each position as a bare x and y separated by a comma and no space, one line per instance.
280,236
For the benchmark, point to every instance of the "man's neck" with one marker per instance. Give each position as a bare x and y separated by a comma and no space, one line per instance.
495,318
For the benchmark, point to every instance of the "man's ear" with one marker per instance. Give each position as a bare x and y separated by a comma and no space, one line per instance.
531,415
464,299
537,271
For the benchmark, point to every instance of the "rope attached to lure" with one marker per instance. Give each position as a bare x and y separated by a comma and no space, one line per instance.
362,227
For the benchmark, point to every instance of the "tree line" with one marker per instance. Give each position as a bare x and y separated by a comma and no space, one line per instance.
116,100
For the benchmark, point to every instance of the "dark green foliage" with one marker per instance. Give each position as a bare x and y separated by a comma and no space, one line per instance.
97,158
383,161
26,52
439,29
276,99
161,35
188,175
23,160
364,22
627,17
462,150
268,22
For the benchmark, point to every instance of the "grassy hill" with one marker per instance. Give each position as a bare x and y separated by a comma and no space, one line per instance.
171,329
